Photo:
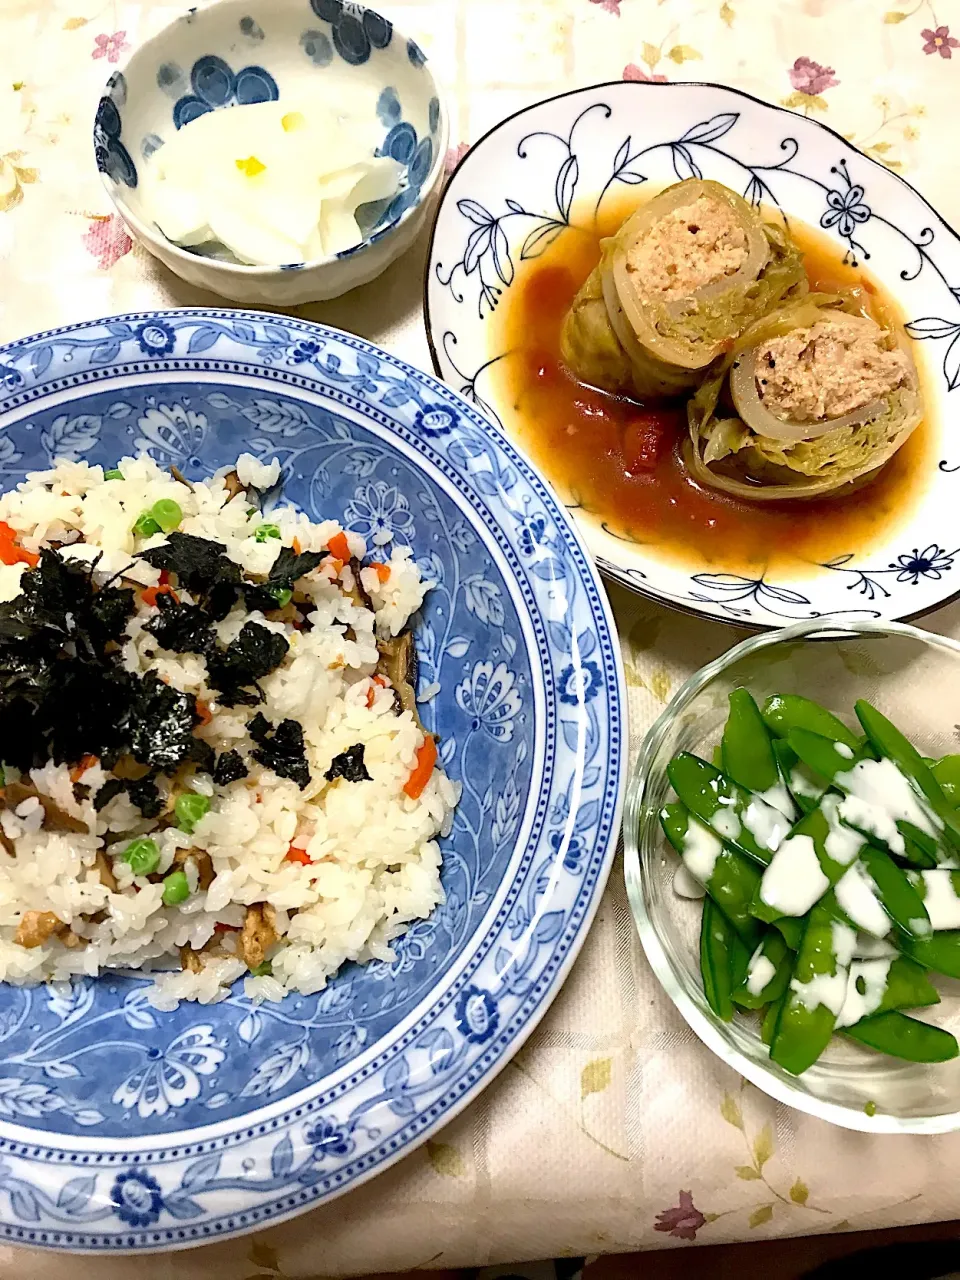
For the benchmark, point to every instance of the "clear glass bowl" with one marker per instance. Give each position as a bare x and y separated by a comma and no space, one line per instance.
913,676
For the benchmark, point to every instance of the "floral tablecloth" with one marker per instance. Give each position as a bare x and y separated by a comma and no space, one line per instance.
614,1129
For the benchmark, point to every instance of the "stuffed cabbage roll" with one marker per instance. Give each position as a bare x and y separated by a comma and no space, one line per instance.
681,279
822,397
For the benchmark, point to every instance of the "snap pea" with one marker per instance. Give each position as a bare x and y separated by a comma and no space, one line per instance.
723,959
946,770
895,1034
816,992
769,1024
774,951
898,897
724,807
732,879
908,987
890,742
746,749
785,711
804,785
941,953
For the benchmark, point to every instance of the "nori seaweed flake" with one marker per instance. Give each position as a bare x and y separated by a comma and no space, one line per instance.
287,568
349,765
229,768
280,749
160,724
181,628
199,563
255,653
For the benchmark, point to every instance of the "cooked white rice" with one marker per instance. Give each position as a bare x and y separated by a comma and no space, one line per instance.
374,864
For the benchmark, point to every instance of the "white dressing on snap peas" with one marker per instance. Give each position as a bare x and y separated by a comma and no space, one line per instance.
794,880
726,822
760,971
842,844
778,797
701,848
871,976
686,885
939,893
842,749
877,796
870,948
829,989
766,824
856,894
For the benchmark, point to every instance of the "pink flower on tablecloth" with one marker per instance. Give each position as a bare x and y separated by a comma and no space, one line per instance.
684,1221
611,6
107,240
454,156
110,47
808,76
939,41
632,72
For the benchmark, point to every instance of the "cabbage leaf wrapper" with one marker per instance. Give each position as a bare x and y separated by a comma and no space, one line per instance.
675,287
811,399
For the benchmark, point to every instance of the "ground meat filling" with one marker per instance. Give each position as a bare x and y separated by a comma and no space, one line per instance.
690,247
835,367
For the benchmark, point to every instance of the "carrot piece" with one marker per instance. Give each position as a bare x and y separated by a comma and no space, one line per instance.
149,595
383,571
77,772
296,546
204,712
339,547
420,774
298,855
10,550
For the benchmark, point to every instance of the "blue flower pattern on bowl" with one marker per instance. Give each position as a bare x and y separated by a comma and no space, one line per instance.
541,190
214,85
112,156
356,31
94,1056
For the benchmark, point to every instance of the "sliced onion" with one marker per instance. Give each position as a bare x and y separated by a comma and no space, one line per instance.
746,397
652,376
637,226
802,487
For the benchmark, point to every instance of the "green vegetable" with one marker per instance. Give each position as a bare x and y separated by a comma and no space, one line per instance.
262,970
769,1024
820,754
146,526
941,953
898,897
190,808
804,785
890,742
282,595
746,749
869,1108
908,987
773,948
947,772
175,889
718,802
785,711
723,959
142,855
902,1037
114,474
804,1028
167,514
817,826
267,531
734,879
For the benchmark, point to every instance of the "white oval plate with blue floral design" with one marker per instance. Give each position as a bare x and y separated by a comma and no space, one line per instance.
125,1128
543,170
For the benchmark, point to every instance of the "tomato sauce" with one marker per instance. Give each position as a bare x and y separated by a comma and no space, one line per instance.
622,461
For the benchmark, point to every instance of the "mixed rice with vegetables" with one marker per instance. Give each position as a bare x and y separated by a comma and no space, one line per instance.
213,763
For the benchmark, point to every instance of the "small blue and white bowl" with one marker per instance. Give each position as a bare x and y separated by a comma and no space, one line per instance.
243,51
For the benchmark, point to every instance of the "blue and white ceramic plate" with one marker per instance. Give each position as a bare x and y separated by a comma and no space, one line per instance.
125,1128
546,169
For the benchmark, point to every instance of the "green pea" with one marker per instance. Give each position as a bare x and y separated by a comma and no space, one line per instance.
114,474
267,531
262,970
189,809
282,595
142,856
146,526
167,514
175,889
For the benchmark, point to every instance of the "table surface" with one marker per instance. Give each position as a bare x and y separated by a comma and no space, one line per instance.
614,1129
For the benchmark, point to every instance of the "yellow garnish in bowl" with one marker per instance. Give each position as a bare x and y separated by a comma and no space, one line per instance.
251,166
293,120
